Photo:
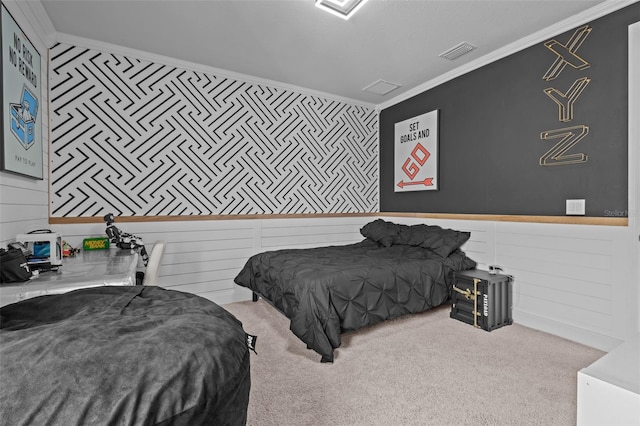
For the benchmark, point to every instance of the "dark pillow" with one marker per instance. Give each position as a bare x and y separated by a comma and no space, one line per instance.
380,231
451,241
417,235
432,237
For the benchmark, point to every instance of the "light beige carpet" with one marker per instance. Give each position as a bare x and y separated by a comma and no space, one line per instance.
425,369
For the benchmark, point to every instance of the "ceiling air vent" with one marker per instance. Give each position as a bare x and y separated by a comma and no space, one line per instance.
457,51
381,87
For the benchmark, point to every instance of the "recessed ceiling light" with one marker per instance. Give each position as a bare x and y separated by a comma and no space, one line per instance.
457,51
381,87
342,8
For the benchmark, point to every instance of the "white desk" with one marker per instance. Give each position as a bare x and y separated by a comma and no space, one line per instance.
87,269
609,389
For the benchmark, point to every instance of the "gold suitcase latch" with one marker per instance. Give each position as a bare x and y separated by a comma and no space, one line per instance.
473,295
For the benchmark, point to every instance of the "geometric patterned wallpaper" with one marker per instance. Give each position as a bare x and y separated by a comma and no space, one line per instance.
142,139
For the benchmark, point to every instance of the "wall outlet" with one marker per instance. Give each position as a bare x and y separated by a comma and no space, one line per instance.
575,207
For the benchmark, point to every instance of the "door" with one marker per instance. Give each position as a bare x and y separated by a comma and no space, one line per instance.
634,157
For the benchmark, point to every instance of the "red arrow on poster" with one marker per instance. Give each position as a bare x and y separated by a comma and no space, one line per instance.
426,182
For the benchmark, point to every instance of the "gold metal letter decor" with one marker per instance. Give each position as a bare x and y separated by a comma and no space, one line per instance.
565,101
569,136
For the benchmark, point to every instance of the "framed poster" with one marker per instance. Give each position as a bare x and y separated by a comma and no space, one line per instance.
21,144
416,153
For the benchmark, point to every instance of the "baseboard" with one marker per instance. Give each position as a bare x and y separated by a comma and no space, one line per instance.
567,331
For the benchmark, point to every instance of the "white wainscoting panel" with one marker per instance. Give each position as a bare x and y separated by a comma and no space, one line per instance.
203,257
302,233
574,281
570,280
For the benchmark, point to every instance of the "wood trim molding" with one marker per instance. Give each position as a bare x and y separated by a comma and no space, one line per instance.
566,220
97,219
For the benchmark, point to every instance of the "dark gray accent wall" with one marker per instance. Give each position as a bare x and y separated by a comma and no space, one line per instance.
490,124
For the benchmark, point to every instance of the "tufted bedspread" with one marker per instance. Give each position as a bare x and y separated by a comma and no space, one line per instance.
327,291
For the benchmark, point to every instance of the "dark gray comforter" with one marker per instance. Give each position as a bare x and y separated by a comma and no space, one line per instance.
122,355
327,291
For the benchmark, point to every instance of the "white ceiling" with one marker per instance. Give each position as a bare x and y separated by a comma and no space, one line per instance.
293,42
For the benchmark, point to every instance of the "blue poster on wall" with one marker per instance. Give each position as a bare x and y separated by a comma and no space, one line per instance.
21,134
23,118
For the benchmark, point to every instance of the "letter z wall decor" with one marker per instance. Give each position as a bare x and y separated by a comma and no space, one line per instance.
21,110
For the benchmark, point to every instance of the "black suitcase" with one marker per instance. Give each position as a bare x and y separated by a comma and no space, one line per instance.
482,299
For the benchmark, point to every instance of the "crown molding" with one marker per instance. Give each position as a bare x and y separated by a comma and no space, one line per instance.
35,12
598,11
192,66
37,17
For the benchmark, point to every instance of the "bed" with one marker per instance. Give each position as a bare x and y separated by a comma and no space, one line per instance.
327,291
122,355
